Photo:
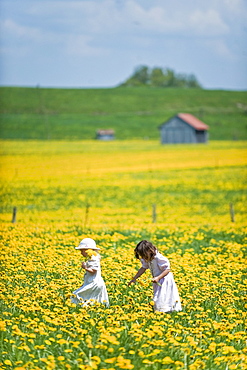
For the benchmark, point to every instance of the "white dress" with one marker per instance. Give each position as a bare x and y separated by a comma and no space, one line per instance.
166,297
93,287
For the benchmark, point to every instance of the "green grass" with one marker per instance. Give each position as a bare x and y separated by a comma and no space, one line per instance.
75,114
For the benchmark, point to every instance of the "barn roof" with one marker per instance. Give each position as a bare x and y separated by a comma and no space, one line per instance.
193,121
106,132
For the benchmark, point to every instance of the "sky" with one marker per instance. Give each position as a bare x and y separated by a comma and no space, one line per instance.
99,43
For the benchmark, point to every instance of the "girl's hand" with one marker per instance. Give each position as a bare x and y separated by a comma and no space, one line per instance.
156,281
83,265
133,281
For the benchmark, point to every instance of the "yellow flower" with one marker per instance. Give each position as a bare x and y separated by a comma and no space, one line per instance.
197,365
212,347
110,360
91,253
167,360
8,362
96,359
2,326
42,274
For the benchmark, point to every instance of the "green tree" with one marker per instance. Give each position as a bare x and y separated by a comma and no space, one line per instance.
170,78
139,77
157,77
192,82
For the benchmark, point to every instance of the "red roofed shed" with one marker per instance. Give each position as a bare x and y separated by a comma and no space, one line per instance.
183,128
105,135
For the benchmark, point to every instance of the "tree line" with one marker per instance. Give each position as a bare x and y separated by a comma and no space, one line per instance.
160,77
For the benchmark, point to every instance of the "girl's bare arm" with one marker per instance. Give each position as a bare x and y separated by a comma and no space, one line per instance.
89,269
139,273
163,274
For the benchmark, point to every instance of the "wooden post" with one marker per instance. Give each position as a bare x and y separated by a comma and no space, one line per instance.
86,214
232,212
154,213
14,215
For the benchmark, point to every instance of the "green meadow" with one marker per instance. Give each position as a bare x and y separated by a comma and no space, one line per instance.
134,113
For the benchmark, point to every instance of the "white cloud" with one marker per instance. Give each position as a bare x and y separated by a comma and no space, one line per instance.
219,47
155,19
113,34
207,23
96,28
233,7
106,16
14,29
80,45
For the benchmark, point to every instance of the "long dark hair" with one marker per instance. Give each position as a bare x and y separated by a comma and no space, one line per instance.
145,250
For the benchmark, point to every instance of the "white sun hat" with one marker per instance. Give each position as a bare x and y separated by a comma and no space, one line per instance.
87,243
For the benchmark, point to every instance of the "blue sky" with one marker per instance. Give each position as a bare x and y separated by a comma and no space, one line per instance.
98,43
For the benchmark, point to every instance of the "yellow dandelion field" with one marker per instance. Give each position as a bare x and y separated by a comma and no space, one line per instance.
190,201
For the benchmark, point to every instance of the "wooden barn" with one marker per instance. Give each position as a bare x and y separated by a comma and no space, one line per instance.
105,135
183,128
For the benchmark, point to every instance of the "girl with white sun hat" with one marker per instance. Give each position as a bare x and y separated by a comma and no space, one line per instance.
93,288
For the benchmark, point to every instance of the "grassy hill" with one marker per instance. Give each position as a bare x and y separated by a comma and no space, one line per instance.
134,113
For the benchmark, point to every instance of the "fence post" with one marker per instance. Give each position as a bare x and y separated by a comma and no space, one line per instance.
232,212
154,213
86,215
14,215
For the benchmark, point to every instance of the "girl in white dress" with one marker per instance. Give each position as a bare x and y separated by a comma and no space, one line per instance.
166,297
93,288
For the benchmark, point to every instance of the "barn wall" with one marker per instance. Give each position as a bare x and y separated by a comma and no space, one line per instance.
201,136
105,137
176,131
